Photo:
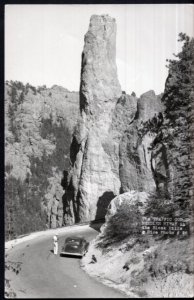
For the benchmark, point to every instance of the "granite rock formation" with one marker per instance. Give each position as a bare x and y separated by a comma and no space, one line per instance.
135,157
133,203
108,155
39,123
94,174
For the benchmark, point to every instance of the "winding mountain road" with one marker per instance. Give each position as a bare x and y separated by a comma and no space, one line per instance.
44,275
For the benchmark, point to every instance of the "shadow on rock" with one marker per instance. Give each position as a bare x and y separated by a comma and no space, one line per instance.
102,206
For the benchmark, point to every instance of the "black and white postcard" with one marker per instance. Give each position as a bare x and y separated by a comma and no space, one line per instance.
99,146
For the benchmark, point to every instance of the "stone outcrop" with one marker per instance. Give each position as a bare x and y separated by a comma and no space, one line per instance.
132,201
94,174
39,123
135,157
130,198
107,154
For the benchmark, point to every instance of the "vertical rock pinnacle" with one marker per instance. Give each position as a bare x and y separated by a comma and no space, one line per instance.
94,178
99,82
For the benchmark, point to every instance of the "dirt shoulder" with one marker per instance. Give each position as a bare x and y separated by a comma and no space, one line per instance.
144,267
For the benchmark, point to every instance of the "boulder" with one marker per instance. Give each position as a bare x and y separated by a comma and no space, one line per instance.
130,207
131,198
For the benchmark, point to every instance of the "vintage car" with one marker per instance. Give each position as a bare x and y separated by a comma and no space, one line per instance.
74,246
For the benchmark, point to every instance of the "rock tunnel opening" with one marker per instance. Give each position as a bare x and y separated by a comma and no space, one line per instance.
103,203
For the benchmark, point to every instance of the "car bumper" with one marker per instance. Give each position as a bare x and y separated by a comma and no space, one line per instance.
71,254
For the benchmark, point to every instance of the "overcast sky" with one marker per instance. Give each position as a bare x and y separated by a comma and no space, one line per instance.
43,43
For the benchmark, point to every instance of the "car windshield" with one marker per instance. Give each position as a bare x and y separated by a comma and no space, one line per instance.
74,241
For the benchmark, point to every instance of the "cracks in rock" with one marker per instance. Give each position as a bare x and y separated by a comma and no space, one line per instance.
78,195
144,153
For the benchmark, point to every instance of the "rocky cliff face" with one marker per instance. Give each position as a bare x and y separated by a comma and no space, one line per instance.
108,155
39,123
134,149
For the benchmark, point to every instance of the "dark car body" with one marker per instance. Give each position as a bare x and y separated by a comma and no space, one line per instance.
74,246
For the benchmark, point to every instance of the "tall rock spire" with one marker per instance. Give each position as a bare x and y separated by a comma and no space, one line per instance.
99,83
94,178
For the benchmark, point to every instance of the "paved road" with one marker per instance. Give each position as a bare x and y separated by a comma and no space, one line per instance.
44,275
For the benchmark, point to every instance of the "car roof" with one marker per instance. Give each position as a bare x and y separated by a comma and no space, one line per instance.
76,238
